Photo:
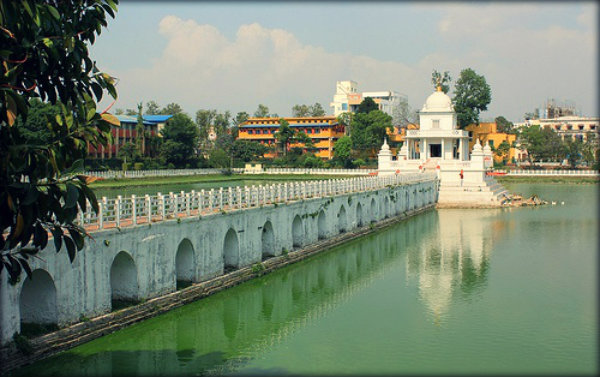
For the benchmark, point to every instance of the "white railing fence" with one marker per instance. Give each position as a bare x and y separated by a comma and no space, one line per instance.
129,211
112,174
551,172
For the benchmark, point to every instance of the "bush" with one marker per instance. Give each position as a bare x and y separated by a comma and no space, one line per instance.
138,166
125,166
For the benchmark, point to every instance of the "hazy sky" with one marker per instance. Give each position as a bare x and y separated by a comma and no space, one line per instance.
235,55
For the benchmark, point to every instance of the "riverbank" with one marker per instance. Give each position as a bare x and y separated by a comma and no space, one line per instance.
150,181
547,179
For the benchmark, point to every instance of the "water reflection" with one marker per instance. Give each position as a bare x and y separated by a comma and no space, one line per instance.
218,335
453,259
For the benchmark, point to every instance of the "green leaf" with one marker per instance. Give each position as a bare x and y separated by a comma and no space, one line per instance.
70,248
72,195
78,238
91,197
31,196
40,236
77,166
53,12
57,233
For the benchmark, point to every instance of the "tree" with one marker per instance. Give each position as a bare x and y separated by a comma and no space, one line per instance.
262,111
503,125
317,110
240,118
284,135
219,159
366,106
45,54
119,112
35,129
541,143
443,80
368,130
131,112
472,94
152,108
503,150
171,109
246,150
300,111
140,130
403,114
180,139
342,151
204,120
129,151
573,149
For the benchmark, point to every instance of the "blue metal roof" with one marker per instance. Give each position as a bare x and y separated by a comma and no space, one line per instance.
148,119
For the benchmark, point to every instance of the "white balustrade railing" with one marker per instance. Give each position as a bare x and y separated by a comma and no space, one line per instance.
129,211
112,174
551,172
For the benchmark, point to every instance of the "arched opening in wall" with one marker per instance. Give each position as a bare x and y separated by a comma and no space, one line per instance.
359,219
184,264
373,210
123,281
321,225
297,232
267,239
342,220
231,251
386,207
37,304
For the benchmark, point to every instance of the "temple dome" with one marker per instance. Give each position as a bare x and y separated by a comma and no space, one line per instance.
438,101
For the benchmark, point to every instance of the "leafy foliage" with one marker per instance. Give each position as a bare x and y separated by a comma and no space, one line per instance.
368,130
366,106
472,94
442,80
504,125
342,152
180,139
262,111
45,54
284,135
315,110
541,143
246,150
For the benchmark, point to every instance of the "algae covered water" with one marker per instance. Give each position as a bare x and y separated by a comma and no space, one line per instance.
446,292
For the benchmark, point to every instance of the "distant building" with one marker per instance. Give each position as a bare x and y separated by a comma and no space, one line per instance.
127,133
486,132
568,127
324,132
347,98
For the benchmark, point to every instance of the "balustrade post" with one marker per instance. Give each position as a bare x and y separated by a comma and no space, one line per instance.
187,204
239,195
148,201
161,205
133,210
118,211
221,198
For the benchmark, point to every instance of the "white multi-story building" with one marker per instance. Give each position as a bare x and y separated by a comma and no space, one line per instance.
347,98
568,127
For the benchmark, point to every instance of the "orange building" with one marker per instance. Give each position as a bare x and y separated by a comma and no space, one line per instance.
324,132
487,132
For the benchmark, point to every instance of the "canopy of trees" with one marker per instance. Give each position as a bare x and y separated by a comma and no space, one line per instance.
180,140
442,80
472,94
315,110
45,54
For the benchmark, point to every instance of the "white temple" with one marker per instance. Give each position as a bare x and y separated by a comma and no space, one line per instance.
439,145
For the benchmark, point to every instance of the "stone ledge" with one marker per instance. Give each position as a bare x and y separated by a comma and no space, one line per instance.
61,340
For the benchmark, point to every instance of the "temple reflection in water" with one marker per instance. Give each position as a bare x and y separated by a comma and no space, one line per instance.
454,258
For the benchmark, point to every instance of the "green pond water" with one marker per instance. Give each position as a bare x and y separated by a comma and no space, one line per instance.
509,291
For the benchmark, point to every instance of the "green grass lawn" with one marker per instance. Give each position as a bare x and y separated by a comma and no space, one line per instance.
547,179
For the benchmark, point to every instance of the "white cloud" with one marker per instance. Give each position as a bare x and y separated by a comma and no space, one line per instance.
201,68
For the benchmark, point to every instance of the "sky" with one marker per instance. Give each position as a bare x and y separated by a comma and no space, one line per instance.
236,55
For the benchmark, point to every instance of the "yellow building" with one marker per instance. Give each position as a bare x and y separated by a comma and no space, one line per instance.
487,132
324,132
